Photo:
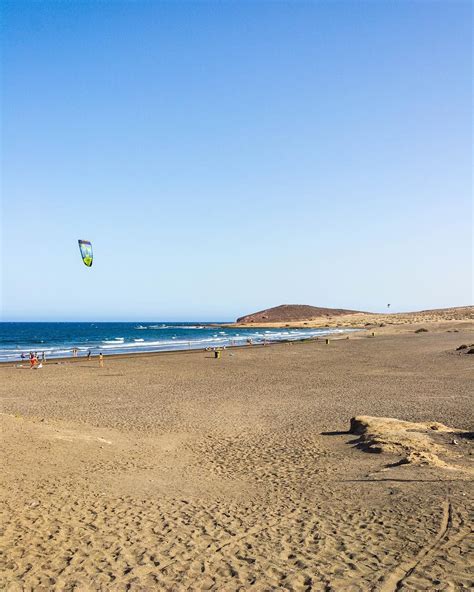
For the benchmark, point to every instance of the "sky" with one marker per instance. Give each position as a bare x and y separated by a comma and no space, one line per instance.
228,157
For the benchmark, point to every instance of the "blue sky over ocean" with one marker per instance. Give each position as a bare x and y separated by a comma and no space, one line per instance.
228,157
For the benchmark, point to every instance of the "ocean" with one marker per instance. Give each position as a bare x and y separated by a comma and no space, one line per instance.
59,339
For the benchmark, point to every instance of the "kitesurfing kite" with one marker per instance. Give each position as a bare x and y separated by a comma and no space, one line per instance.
86,252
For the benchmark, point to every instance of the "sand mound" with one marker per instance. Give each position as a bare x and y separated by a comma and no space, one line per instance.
413,441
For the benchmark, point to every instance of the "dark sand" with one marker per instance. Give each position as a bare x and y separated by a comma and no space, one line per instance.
182,472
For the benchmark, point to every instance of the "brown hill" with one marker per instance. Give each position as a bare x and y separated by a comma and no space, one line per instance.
293,313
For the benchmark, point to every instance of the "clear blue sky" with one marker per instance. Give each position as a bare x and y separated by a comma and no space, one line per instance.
228,157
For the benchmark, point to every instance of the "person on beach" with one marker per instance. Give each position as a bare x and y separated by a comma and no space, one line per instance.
33,360
43,358
101,360
89,353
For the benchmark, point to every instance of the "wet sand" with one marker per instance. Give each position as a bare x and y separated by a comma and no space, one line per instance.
182,472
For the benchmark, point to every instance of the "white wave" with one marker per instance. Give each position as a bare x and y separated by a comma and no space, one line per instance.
162,343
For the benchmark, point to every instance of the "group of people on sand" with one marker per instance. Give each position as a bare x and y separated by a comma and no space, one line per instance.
75,352
89,355
101,358
35,361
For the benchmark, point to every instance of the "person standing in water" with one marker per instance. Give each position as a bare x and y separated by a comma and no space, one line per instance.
89,355
101,360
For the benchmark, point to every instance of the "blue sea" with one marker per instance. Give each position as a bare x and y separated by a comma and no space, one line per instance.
59,339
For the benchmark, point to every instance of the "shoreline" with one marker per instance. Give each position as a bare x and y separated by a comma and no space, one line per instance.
95,357
336,332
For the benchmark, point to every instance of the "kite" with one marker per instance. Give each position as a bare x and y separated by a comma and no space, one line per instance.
86,252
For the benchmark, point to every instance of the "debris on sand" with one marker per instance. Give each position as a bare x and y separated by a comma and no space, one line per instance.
413,441
421,330
466,349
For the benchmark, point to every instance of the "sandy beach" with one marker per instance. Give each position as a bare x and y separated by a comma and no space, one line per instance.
183,472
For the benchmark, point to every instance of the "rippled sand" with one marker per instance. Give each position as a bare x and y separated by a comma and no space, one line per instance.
182,472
